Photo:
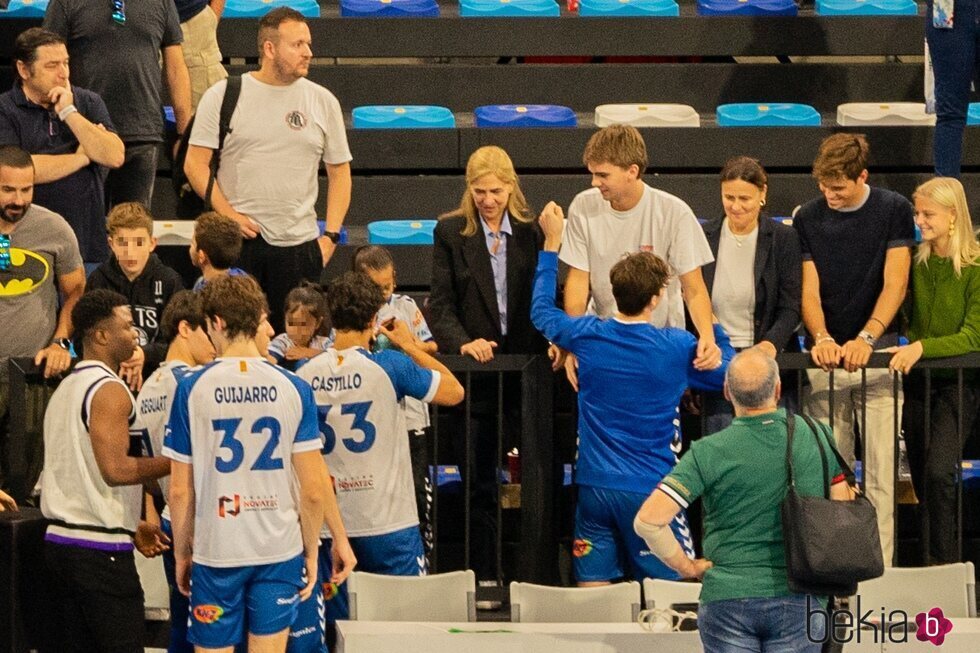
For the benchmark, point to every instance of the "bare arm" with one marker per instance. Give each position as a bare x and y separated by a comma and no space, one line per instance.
217,6
109,432
179,85
450,391
342,555
181,502
196,167
52,167
576,292
56,359
699,306
825,352
338,201
100,145
312,496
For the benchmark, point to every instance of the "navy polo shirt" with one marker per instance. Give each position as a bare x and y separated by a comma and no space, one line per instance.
187,9
80,197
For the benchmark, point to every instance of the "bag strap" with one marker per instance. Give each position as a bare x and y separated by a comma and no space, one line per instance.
790,427
228,103
845,468
823,458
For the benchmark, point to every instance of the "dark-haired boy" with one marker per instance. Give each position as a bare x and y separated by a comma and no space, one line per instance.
632,376
93,488
138,274
184,328
215,247
357,395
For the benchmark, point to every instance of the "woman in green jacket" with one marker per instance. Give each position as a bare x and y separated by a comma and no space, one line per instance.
945,322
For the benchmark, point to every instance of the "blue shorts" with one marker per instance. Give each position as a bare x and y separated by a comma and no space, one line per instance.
224,600
607,548
396,554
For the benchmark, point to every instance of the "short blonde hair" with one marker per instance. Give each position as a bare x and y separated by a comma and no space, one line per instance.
620,145
948,193
129,215
490,160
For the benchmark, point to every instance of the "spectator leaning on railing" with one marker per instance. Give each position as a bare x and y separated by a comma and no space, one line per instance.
945,322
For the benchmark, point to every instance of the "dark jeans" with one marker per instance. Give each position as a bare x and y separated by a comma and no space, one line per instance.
280,269
133,182
935,468
98,599
776,625
955,57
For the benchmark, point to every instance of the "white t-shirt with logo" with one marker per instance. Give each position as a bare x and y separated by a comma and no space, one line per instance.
596,237
271,156
404,308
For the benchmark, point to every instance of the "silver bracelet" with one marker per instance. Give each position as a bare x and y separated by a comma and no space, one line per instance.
67,111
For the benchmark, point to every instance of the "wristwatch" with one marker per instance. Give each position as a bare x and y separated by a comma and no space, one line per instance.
868,338
64,343
333,236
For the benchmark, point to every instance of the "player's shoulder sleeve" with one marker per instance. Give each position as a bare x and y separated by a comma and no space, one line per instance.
307,436
408,378
685,482
417,322
177,438
689,248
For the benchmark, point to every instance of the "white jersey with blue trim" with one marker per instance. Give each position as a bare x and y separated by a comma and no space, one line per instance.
238,421
84,510
404,308
357,395
153,411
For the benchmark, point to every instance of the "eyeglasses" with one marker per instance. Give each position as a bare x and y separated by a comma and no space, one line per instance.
4,252
119,11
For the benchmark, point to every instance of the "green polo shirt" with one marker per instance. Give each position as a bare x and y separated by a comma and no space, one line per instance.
740,475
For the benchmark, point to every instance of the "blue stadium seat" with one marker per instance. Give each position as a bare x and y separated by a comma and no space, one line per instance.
389,8
403,117
973,114
773,114
508,8
867,8
524,115
401,232
747,8
25,9
619,8
259,8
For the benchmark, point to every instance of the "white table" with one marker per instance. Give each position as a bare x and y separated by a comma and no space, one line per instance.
505,637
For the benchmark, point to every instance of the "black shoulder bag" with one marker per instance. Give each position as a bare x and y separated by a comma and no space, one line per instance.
830,545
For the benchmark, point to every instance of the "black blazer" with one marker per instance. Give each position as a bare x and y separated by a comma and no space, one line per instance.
463,299
778,280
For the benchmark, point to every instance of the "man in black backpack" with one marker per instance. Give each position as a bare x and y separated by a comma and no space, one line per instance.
281,129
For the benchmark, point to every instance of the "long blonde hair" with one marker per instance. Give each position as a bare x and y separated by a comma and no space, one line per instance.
490,160
964,250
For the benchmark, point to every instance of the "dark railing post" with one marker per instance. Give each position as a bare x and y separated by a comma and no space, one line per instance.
539,559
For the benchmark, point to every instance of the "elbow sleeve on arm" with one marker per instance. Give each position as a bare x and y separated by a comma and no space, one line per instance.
660,539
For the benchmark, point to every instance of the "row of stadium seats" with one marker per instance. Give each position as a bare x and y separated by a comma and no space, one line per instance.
537,8
777,114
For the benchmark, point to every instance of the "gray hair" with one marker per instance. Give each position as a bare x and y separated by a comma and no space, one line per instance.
751,379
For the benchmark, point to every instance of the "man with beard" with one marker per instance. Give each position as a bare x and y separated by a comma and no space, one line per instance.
283,126
39,258
69,134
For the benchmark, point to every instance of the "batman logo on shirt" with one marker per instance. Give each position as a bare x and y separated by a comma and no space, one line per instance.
28,271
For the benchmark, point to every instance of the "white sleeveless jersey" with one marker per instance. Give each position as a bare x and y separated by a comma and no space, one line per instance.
238,421
357,395
152,412
84,510
404,308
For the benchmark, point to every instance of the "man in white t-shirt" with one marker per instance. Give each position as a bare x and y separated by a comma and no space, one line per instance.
621,214
283,126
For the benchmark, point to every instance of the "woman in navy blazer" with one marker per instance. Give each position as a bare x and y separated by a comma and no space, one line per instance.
772,311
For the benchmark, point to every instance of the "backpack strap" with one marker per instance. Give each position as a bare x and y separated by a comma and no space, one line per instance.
228,103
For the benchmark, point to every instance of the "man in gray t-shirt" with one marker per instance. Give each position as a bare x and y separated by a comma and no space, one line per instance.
38,258
116,52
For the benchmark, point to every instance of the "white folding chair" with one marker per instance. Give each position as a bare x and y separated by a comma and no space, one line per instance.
919,589
662,594
618,603
437,597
